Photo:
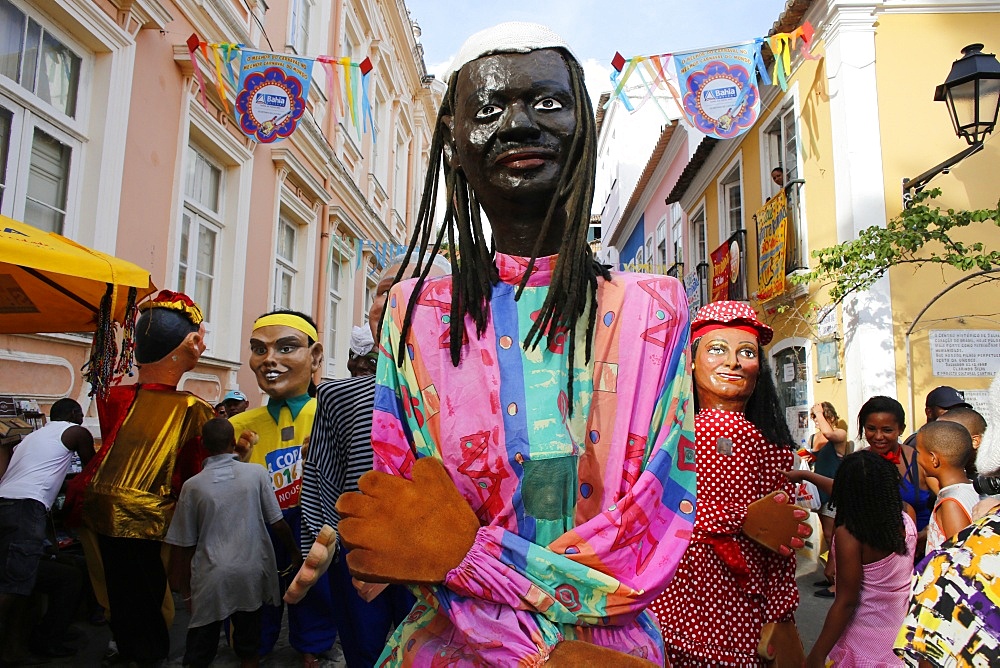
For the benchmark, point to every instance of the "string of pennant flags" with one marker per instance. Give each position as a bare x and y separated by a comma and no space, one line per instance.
347,248
716,88
271,88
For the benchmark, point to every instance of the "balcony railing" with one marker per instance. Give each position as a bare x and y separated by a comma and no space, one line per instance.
676,270
793,240
702,270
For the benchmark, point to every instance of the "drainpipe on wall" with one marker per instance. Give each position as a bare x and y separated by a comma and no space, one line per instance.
324,252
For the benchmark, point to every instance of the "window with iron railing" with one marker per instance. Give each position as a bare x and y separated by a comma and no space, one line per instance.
702,270
781,146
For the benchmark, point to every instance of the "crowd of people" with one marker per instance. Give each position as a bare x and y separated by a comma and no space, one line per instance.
536,460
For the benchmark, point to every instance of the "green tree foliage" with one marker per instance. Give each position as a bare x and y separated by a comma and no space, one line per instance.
921,234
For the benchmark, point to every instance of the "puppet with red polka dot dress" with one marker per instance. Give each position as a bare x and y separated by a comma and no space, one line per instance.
732,599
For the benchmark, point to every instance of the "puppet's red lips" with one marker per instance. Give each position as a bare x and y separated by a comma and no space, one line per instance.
525,158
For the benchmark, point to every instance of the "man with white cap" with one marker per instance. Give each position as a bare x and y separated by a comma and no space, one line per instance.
534,471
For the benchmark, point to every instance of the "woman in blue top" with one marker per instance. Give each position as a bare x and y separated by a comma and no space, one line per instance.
881,421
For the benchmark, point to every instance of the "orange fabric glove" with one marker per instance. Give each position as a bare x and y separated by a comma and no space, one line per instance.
780,645
579,654
315,564
406,531
777,524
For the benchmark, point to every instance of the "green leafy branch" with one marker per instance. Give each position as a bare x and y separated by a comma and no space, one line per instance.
919,235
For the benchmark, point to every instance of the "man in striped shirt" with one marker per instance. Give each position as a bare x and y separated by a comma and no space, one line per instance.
339,453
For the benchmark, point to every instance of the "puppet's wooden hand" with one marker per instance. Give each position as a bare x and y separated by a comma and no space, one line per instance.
406,531
777,524
578,654
780,646
315,564
244,444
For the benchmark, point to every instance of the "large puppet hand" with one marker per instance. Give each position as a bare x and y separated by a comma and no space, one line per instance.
315,564
777,524
406,531
244,444
578,654
780,646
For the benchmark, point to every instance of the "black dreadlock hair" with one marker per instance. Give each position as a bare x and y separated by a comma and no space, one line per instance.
866,495
574,280
307,318
764,408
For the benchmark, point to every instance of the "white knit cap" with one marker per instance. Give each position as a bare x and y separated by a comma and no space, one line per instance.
361,340
511,37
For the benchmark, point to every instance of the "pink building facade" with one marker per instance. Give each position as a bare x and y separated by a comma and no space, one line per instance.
104,138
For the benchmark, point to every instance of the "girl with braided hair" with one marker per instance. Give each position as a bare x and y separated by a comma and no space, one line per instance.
873,544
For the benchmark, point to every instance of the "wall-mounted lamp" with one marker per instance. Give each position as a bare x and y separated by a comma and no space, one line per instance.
972,93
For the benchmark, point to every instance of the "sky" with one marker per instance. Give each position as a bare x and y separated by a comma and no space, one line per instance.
595,30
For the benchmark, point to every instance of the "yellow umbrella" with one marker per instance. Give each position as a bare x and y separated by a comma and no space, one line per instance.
49,283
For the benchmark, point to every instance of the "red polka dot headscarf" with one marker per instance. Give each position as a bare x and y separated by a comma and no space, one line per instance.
730,315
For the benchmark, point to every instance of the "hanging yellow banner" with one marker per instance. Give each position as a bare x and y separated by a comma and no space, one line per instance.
771,222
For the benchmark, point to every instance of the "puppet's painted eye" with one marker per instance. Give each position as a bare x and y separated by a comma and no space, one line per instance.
549,104
489,111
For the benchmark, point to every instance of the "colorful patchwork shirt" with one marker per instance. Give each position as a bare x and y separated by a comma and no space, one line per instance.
585,515
954,615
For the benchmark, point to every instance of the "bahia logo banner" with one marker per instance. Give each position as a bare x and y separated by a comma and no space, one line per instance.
718,89
271,95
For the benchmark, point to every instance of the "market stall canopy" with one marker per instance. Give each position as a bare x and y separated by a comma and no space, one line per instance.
49,283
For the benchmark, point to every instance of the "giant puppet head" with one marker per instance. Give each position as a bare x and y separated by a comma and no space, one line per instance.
169,338
728,339
285,353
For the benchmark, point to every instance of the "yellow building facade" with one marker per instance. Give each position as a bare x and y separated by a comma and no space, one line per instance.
855,121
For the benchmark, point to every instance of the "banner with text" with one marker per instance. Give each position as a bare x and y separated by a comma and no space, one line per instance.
271,88
771,223
271,94
720,272
719,75
718,89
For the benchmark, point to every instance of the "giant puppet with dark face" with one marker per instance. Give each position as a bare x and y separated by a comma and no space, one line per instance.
740,566
532,426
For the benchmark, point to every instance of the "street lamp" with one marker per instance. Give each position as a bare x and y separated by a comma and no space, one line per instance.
972,93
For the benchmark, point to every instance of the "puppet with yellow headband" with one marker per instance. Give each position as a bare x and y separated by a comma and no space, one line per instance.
284,355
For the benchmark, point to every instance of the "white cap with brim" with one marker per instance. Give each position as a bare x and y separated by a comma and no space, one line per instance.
510,37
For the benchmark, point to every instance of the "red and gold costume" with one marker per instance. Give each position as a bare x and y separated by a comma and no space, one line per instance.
153,444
